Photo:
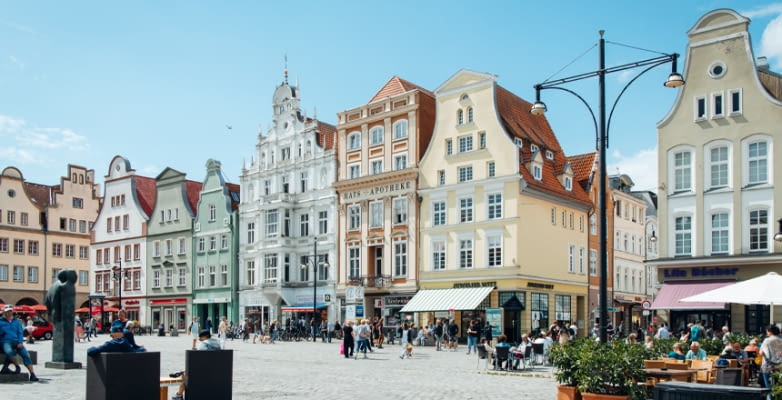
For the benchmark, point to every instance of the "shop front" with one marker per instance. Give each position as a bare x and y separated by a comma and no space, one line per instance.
211,308
171,313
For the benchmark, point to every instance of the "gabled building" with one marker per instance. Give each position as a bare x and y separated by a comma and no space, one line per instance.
119,241
169,250
380,145
45,229
500,213
718,163
288,233
215,274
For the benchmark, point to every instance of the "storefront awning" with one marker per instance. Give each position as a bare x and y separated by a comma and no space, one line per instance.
447,299
302,307
670,294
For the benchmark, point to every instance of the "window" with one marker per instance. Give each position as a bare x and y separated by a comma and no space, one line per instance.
202,244
376,214
212,243
84,277
719,166
494,201
303,181
304,225
32,274
250,272
491,170
465,210
400,161
267,187
593,262
84,252
83,226
482,140
593,224
539,309
549,155
354,171
18,246
250,235
734,95
18,273
571,254
400,211
24,219
465,144
212,212
57,250
354,141
494,244
270,268
116,224
181,280
272,223
156,279
441,177
718,110
758,231
448,147
465,253
72,225
400,258
568,183
518,142
32,247
400,129
354,217
323,222
4,273
11,217
460,117
438,255
354,262
682,171
439,213
537,172
469,115
156,249
700,108
465,174
285,153
223,241
758,162
223,275
182,247
719,233
581,260
78,203
683,236
169,249
169,277
562,308
376,166
376,135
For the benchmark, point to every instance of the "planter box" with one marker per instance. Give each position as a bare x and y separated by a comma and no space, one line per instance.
209,374
120,376
702,391
568,393
597,396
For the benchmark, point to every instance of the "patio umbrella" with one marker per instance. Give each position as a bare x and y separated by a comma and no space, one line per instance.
81,310
23,308
39,307
764,289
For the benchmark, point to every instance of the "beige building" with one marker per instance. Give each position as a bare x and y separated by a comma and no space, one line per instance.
718,198
45,229
501,214
379,147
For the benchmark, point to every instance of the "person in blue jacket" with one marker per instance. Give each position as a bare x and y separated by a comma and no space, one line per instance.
117,344
12,342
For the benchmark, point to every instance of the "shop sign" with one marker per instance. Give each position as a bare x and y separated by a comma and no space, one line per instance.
376,191
474,284
540,285
699,272
397,300
494,318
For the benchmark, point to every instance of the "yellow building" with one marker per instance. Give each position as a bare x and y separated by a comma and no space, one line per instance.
500,209
45,229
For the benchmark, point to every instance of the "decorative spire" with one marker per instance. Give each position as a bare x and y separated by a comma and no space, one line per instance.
286,69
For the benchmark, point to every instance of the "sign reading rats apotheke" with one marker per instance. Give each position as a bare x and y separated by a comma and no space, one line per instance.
701,272
377,191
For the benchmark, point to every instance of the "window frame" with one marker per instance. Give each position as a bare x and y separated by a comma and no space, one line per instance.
353,141
377,135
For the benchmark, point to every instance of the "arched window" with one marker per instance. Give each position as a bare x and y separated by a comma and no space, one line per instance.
469,115
460,116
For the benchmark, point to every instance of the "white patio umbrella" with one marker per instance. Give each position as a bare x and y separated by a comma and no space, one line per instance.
765,289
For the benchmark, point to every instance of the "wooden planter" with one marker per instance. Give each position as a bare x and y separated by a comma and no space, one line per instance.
597,396
568,393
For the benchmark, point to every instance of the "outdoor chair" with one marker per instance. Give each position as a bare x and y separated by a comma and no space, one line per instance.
526,361
500,356
654,364
483,355
537,349
676,365
705,370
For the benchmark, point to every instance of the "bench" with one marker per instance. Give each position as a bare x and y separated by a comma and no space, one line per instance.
166,381
705,391
33,357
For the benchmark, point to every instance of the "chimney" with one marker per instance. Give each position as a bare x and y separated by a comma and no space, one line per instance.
762,64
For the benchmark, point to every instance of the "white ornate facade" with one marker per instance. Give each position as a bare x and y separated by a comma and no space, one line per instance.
287,203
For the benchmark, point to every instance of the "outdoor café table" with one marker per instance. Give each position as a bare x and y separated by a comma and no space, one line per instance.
668,374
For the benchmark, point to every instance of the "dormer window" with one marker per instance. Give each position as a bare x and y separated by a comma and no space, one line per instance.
533,148
537,172
518,142
568,183
549,154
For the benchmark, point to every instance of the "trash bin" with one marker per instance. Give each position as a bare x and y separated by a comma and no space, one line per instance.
702,391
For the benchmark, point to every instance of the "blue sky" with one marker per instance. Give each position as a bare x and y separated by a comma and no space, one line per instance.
158,82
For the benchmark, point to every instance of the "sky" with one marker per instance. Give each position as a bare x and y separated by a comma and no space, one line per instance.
160,83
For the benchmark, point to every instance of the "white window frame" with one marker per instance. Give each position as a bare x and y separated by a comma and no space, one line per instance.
439,213
376,135
272,224
439,255
718,104
156,279
494,250
270,268
400,258
765,160
156,248
376,209
680,175
719,164
764,227
466,144
400,129
494,205
354,262
376,166
683,236
465,173
354,171
466,214
581,254
441,177
491,169
537,171
733,110
592,262
466,253
354,217
571,259
696,115
212,212
722,232
400,161
354,141
400,210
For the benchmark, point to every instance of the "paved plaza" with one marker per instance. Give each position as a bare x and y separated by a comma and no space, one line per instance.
313,370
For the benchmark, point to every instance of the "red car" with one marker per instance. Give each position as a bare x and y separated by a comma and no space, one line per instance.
43,328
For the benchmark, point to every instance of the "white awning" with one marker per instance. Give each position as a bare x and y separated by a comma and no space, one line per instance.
447,299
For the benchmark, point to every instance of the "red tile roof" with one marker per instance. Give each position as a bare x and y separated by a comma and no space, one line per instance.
583,166
232,187
146,191
327,136
535,129
395,86
39,194
193,189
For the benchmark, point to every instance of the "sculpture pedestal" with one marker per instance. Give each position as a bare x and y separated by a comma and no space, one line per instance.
123,376
62,365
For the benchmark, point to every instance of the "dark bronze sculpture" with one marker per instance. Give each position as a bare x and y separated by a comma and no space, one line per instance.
61,302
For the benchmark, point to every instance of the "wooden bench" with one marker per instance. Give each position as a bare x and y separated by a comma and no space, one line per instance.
166,381
33,357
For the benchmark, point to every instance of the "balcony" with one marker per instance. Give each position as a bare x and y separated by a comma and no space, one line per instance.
375,281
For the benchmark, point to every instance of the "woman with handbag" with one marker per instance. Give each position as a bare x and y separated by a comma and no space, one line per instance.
406,342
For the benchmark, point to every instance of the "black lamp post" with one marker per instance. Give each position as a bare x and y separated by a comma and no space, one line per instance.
313,260
601,129
119,276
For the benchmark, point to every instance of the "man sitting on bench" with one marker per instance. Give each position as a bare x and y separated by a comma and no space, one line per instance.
117,344
205,342
12,340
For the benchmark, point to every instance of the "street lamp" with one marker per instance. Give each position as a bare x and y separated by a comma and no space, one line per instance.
119,276
313,260
778,236
601,130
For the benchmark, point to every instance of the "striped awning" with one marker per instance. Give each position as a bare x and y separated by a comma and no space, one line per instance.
447,299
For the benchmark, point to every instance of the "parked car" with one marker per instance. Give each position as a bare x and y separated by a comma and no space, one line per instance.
43,328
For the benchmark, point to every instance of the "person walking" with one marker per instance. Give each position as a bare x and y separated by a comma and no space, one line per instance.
453,330
771,349
12,341
472,337
222,331
193,330
438,335
362,334
347,339
406,342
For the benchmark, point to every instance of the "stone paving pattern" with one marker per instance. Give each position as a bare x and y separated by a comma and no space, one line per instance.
296,370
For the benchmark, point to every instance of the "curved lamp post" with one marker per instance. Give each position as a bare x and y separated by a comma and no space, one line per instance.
601,130
313,260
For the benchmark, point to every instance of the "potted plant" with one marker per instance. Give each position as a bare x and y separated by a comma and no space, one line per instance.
610,371
564,359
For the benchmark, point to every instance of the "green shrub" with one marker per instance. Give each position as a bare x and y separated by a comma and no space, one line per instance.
614,368
712,347
564,359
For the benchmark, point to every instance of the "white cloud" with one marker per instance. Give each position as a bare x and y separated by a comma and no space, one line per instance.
641,167
17,62
25,143
150,170
763,11
10,124
21,156
771,42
